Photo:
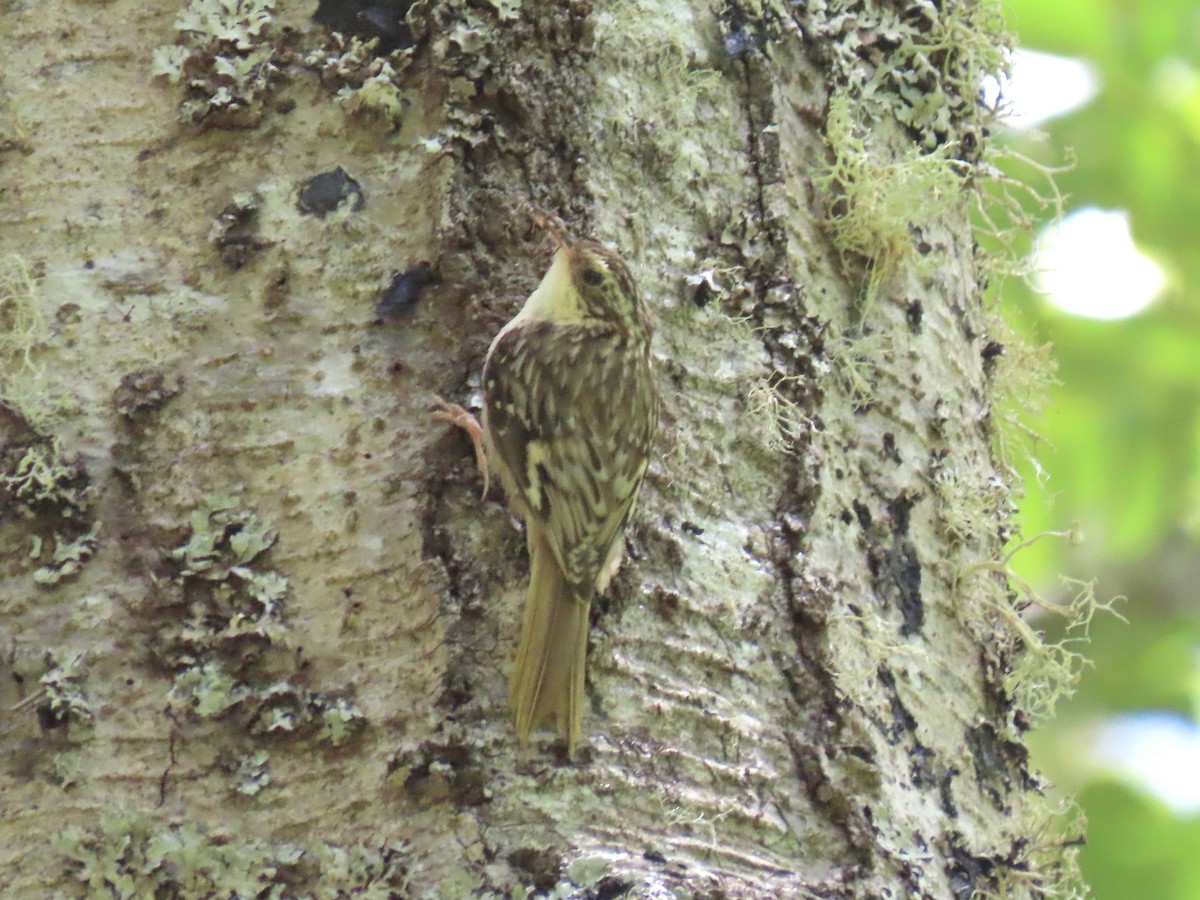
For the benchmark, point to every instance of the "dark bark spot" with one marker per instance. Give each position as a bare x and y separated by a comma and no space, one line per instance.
991,351
946,793
403,292
1001,765
889,448
324,193
610,887
236,234
914,314
367,20
457,776
903,722
898,510
904,570
543,867
144,391
969,874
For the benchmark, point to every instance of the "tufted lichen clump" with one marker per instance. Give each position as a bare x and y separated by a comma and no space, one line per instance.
27,390
919,70
225,638
225,59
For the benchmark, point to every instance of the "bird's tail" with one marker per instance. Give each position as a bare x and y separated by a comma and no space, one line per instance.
547,680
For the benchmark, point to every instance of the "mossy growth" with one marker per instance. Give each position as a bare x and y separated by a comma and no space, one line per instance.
223,635
225,59
131,855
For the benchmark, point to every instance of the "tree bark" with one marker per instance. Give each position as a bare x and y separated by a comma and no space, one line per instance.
260,622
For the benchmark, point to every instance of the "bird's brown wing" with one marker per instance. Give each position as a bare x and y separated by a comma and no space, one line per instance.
570,414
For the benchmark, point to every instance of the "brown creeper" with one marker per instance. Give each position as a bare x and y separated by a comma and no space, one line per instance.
570,410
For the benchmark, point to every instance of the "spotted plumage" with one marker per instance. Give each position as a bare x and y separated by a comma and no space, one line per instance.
570,411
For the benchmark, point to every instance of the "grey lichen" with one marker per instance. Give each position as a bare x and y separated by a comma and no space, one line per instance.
252,773
129,854
367,86
44,479
63,684
69,557
225,60
221,539
225,636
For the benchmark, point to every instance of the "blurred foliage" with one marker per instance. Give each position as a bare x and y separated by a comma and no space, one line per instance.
1136,847
1121,448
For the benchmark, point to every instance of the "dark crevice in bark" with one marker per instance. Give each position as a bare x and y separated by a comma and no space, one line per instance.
795,344
518,133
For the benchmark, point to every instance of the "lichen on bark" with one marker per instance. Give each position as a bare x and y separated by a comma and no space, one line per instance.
801,682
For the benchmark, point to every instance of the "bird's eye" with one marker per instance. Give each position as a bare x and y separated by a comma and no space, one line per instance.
592,277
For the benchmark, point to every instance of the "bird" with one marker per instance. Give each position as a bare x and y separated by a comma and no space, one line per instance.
570,412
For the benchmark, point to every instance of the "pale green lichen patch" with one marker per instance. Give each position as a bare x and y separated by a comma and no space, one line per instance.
63,683
52,496
130,854
67,769
44,480
252,773
221,538
207,690
340,719
226,638
921,66
366,85
587,876
225,60
69,557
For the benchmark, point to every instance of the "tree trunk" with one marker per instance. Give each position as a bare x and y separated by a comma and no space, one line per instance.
260,622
